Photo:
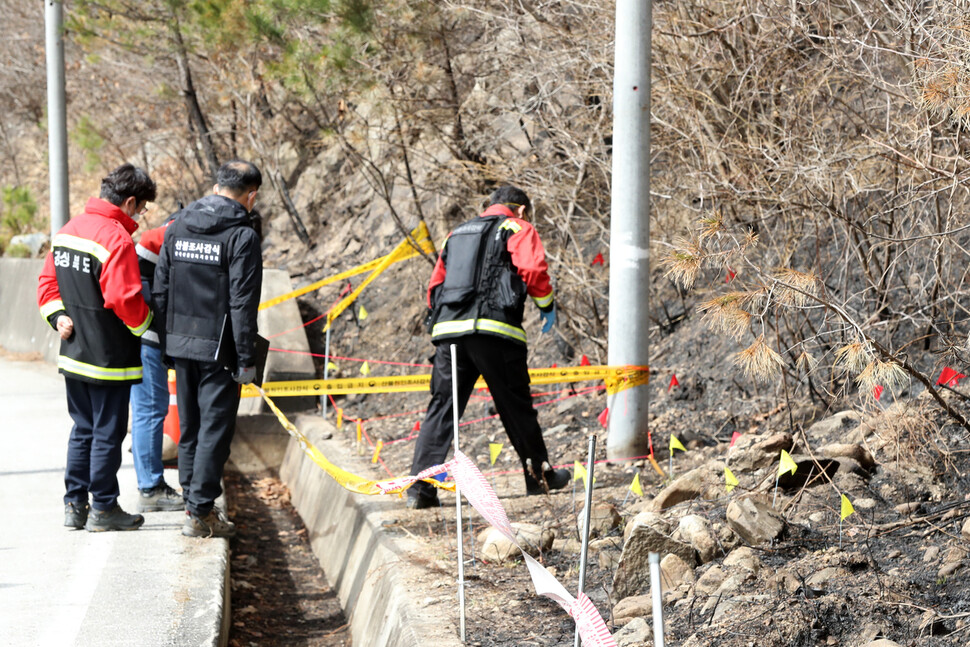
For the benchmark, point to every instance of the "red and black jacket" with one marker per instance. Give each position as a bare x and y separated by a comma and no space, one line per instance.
147,249
487,268
91,275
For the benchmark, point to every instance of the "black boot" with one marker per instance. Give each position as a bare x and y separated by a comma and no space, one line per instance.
551,479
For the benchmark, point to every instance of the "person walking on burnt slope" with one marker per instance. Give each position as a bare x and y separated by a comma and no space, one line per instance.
477,294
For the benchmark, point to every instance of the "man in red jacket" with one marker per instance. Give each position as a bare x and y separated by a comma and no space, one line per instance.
477,294
90,293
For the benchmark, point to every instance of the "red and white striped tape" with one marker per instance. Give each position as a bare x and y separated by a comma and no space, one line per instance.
472,484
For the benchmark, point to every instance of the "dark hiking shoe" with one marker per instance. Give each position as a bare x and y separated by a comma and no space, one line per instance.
75,515
160,498
113,519
213,524
420,501
555,479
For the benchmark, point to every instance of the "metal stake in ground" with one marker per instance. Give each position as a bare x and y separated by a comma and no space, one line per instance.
326,372
657,595
461,551
586,516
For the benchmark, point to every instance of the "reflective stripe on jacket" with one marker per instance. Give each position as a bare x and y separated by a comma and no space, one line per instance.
486,269
91,275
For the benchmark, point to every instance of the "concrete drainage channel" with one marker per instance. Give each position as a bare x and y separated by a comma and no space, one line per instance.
370,571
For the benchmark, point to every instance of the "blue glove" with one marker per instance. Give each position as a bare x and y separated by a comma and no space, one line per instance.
548,318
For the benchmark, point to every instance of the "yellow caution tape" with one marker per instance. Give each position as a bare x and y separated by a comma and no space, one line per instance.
403,252
617,379
346,480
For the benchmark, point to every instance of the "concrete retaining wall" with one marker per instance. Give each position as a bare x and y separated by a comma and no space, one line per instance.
22,329
373,573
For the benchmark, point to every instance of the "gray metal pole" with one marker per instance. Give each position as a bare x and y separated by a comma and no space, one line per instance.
630,224
56,115
461,546
656,593
584,551
326,372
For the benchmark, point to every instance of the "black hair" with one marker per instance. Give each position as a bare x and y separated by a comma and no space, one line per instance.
125,182
239,177
511,197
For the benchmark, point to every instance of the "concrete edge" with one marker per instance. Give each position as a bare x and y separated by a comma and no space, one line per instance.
372,572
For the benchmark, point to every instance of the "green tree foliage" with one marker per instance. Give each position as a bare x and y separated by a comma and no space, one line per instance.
19,210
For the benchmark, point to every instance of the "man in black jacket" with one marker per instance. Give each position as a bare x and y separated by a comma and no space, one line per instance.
207,286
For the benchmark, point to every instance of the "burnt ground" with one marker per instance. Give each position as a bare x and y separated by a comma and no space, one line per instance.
897,568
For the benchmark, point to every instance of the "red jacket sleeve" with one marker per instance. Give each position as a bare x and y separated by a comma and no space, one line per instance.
49,294
437,275
529,257
121,287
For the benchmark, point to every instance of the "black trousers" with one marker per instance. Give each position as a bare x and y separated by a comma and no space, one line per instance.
100,414
503,365
207,400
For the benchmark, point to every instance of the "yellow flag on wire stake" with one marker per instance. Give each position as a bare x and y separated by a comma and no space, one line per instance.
635,486
363,313
786,464
332,367
365,369
579,472
847,508
676,444
730,480
494,449
377,451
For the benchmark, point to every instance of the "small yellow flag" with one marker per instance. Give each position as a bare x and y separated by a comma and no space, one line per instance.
847,508
340,416
332,367
676,444
363,313
365,369
730,480
786,464
579,472
635,486
494,449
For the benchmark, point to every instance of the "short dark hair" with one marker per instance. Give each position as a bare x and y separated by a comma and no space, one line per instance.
239,176
125,182
511,197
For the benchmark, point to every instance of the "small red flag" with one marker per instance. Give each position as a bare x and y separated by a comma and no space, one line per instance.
673,383
730,275
554,365
604,417
584,361
597,260
417,426
734,438
949,377
877,391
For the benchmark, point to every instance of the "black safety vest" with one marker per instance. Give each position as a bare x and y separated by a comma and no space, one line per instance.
482,291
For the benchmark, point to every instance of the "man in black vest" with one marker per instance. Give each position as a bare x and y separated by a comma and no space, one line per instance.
207,286
477,298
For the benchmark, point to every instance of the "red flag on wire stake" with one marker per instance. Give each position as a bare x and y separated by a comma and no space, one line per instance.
730,275
949,377
673,383
597,260
604,417
734,438
584,361
877,391
417,426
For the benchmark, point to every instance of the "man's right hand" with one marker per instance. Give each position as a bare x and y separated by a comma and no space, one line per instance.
245,375
65,326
